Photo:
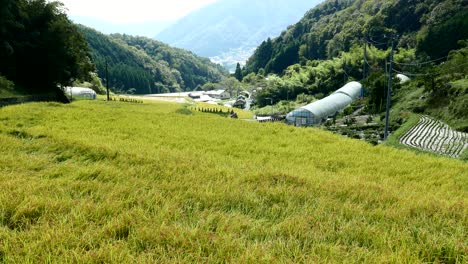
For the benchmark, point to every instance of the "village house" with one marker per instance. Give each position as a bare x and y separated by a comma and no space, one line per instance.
219,94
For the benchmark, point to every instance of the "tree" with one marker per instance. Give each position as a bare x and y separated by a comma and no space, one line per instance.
444,37
238,73
377,91
41,48
232,85
153,65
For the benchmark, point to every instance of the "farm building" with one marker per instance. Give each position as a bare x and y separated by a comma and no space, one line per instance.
80,92
219,94
318,111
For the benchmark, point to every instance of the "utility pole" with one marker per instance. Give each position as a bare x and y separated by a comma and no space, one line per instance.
364,66
365,60
107,81
389,90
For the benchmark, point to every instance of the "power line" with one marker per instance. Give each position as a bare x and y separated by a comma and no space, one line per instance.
367,62
345,71
389,90
373,67
420,63
458,66
427,74
411,74
376,43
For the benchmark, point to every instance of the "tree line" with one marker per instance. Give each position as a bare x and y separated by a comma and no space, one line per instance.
433,27
143,66
326,49
40,48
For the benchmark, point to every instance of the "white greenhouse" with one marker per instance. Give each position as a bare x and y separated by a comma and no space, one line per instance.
318,111
403,78
80,92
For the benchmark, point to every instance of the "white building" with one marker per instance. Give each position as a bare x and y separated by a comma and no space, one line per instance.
219,94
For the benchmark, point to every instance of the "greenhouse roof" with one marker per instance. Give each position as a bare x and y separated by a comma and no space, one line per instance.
328,105
352,89
403,78
79,90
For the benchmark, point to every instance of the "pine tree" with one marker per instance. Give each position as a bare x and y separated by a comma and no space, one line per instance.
238,73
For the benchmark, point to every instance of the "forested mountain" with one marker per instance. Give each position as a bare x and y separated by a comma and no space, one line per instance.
431,26
143,66
343,40
229,30
40,48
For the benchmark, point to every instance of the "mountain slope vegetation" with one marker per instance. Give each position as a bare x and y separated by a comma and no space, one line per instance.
230,29
40,49
117,183
144,66
433,26
343,40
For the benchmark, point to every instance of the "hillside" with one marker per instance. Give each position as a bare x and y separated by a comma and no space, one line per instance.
40,50
433,27
342,41
144,66
114,182
229,30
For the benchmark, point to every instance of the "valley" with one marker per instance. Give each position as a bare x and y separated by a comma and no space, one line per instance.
263,132
227,31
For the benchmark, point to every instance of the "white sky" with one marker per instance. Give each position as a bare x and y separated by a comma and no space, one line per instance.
133,11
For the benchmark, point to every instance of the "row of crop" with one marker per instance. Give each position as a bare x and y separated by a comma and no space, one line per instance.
126,100
435,136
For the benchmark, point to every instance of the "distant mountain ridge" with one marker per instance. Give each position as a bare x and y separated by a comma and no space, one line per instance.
143,66
146,29
228,29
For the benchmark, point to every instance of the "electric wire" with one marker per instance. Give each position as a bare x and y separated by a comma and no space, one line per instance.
420,63
376,43
428,74
373,67
411,74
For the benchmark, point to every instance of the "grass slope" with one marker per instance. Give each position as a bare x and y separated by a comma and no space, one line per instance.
113,182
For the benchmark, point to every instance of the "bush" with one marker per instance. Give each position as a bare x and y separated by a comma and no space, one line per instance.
6,84
305,98
348,111
419,109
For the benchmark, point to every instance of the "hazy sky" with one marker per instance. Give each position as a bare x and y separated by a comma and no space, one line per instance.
133,11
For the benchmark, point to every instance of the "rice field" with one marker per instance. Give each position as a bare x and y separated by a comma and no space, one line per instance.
435,136
112,182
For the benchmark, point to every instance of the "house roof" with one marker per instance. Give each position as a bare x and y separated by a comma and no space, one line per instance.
216,92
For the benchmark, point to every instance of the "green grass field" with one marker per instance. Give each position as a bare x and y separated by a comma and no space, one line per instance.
102,182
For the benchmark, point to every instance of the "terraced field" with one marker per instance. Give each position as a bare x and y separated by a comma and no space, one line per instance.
116,182
436,136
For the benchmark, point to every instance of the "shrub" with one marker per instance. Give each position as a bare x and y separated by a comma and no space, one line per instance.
6,84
